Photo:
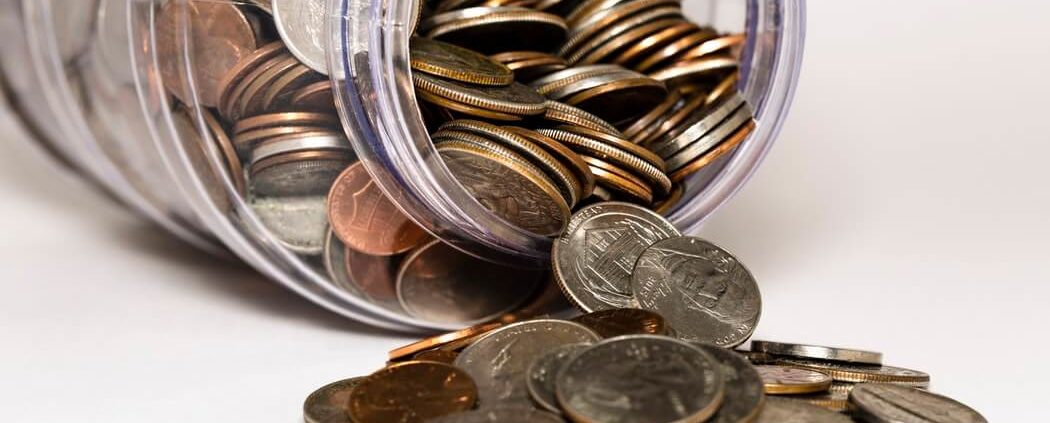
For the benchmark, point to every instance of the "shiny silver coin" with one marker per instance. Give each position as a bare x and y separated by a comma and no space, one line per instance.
439,283
498,360
784,410
744,391
641,379
539,377
817,352
301,25
595,256
704,292
300,223
885,403
500,415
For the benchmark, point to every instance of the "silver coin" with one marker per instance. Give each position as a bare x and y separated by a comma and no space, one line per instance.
643,379
500,415
784,410
498,360
295,177
276,147
702,291
595,256
301,25
885,403
857,373
300,223
818,352
328,403
697,126
711,139
442,284
539,377
744,391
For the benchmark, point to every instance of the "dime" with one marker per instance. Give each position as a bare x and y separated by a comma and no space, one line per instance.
301,25
514,99
539,378
442,340
328,403
595,256
624,321
498,360
855,373
788,380
454,62
743,387
491,30
413,391
784,410
641,378
439,283
818,352
704,292
366,220
501,415
884,403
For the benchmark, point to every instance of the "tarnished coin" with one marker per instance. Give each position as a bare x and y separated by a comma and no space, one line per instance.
454,62
491,30
792,380
818,352
440,356
643,379
328,404
441,340
709,141
702,68
743,392
298,222
301,25
540,375
231,86
624,321
620,100
366,220
885,403
516,99
501,415
530,65
499,360
704,292
856,373
439,283
412,392
784,410
691,126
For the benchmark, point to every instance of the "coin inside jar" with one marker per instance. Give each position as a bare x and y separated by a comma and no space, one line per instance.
453,62
491,30
366,220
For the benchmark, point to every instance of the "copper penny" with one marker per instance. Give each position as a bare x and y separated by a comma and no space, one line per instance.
272,120
234,169
220,35
439,356
251,101
281,91
624,321
233,78
316,97
781,380
412,392
230,106
653,42
364,218
374,277
442,340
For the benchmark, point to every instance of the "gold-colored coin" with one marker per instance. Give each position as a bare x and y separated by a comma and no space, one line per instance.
515,99
465,109
556,82
783,380
624,321
854,373
564,154
438,356
454,62
442,340
491,30
395,393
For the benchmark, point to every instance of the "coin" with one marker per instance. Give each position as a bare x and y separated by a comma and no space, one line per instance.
539,377
530,65
668,54
641,378
595,256
287,119
622,41
588,27
614,154
413,391
279,93
298,222
454,62
514,99
498,360
234,82
652,117
849,372
704,292
214,36
500,415
328,403
704,67
314,97
700,146
366,220
624,145
375,277
620,100
743,387
727,145
491,30
301,24
832,400
663,15
884,403
440,356
624,321
784,410
665,205
234,169
576,165
441,340
781,380
625,186
818,352
690,127
756,357
561,113
439,283
646,46
512,189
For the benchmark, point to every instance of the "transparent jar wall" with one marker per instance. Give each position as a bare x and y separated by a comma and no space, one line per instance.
368,43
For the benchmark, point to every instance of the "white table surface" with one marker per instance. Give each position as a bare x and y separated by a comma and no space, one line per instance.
905,209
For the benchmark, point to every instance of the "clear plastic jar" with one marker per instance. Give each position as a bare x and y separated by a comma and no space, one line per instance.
89,75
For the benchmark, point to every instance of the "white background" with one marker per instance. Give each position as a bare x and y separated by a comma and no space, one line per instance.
904,209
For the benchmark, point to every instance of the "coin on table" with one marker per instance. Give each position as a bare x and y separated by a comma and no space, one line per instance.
743,392
856,373
704,292
885,403
624,321
530,65
498,361
539,377
300,24
818,352
785,410
595,256
328,404
413,391
500,415
791,380
441,340
366,220
454,62
641,378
